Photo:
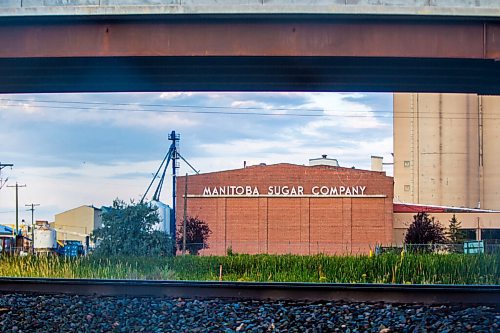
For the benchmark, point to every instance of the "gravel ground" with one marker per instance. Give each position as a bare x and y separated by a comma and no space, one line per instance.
28,313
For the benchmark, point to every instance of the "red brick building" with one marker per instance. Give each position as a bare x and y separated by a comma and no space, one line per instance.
286,208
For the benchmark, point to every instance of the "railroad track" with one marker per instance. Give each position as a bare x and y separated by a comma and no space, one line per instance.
425,294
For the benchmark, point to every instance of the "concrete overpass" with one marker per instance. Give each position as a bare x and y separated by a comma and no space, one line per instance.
490,8
252,45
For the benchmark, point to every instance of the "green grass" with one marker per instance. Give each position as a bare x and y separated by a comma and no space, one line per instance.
387,268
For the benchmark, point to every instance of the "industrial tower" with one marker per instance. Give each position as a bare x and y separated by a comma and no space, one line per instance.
173,156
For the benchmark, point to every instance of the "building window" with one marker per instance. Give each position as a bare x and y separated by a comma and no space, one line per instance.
469,234
407,164
407,188
490,233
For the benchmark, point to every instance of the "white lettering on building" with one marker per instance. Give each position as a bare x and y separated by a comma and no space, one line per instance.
284,190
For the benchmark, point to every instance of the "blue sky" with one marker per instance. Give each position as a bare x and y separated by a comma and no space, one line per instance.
82,149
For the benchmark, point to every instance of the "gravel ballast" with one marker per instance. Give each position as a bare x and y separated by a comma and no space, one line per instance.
62,313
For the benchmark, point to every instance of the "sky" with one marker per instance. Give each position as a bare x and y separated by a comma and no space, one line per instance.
88,149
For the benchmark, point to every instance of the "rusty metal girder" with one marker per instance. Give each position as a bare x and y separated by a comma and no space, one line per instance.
428,294
403,38
492,41
114,74
320,53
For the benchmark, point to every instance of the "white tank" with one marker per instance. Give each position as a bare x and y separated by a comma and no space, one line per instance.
45,239
164,215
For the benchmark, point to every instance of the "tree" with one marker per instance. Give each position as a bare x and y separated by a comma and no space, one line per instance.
197,233
455,233
424,230
127,229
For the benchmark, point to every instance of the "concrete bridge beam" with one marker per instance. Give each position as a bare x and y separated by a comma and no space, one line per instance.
470,8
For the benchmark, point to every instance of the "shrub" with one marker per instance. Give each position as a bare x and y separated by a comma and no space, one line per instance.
197,233
424,230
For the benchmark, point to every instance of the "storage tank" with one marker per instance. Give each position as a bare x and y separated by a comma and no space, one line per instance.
44,238
490,136
164,215
437,149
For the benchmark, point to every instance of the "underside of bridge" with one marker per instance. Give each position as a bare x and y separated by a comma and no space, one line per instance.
235,53
114,74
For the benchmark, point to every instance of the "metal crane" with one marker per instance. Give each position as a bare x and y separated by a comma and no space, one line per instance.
173,156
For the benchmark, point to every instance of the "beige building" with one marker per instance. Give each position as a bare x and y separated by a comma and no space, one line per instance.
447,150
477,224
77,223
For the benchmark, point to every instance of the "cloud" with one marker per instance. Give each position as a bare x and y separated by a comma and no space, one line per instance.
175,95
131,116
233,153
64,188
342,112
296,141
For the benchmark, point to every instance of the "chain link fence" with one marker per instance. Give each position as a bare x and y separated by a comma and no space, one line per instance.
332,248
307,248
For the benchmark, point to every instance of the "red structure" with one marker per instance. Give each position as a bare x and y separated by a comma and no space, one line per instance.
234,52
286,208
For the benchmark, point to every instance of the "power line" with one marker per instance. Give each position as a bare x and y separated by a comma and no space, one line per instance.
163,105
216,107
385,114
212,112
391,116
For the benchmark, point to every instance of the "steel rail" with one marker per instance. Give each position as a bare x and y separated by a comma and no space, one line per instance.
393,293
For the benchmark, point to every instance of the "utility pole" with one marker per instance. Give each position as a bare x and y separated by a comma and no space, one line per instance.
2,165
32,205
184,222
17,186
478,231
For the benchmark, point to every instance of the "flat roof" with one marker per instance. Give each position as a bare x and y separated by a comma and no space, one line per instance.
400,207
